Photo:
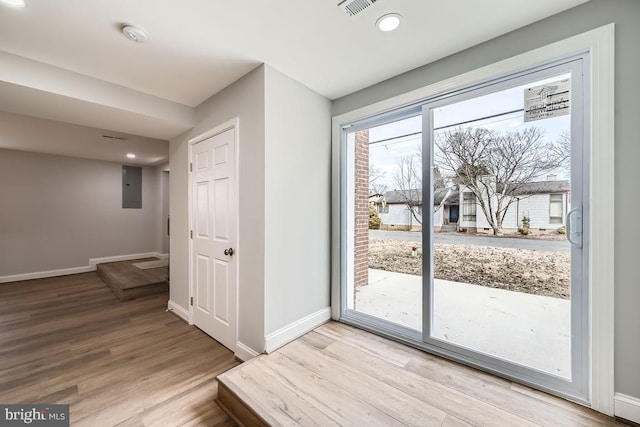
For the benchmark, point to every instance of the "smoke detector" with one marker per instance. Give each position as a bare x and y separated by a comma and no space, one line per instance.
354,7
135,34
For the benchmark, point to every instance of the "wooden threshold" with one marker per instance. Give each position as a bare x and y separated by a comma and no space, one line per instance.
340,375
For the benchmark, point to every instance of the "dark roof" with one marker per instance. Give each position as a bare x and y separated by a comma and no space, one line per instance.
398,196
538,187
527,188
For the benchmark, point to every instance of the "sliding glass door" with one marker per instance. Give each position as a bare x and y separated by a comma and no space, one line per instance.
384,218
463,226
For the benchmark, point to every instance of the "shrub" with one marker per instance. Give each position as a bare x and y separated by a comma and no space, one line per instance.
526,223
374,218
562,230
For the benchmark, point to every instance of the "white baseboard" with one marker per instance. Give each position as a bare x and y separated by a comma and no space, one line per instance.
244,353
45,274
160,256
627,407
296,329
180,311
77,270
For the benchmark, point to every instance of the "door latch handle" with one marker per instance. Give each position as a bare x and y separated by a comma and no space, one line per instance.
574,230
228,251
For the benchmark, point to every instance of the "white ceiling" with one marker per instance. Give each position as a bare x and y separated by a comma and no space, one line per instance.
24,133
65,60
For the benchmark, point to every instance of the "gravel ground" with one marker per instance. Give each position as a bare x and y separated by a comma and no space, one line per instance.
520,270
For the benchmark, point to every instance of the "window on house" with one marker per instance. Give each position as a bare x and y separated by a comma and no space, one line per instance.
468,206
555,208
383,209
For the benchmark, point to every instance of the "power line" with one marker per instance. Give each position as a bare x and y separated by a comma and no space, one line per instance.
481,118
394,138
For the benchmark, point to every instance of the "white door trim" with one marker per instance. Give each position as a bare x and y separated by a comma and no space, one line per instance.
230,124
599,43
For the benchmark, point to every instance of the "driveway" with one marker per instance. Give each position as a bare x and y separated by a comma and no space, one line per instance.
467,239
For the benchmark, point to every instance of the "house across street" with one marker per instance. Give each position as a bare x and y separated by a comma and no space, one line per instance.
544,204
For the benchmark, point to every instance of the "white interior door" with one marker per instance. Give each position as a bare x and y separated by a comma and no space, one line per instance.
214,218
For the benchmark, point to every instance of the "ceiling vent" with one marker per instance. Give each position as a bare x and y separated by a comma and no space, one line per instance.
354,7
118,138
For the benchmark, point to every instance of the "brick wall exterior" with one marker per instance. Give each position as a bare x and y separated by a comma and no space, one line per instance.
361,214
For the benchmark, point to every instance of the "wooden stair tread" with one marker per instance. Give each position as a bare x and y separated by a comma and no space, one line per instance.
128,281
339,375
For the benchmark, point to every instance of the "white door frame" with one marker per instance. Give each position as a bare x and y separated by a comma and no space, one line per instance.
599,43
230,124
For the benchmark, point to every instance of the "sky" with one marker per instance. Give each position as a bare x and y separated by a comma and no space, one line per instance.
390,142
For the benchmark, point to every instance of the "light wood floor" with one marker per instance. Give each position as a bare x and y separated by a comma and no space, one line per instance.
338,375
70,340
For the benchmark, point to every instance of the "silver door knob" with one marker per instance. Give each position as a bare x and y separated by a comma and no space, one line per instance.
228,251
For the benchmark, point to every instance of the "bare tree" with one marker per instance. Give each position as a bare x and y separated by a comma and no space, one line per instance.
408,181
439,180
562,149
376,180
494,166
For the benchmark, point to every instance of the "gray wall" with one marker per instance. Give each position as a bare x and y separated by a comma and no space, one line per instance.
297,200
243,99
58,212
626,15
284,162
162,206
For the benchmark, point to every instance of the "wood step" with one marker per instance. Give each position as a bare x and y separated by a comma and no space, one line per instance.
237,409
339,375
128,281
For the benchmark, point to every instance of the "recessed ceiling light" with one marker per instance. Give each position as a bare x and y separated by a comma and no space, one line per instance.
14,3
388,22
131,156
135,34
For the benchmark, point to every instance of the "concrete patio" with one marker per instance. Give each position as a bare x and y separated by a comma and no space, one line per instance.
527,329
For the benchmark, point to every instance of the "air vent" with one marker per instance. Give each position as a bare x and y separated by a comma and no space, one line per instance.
354,7
119,138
